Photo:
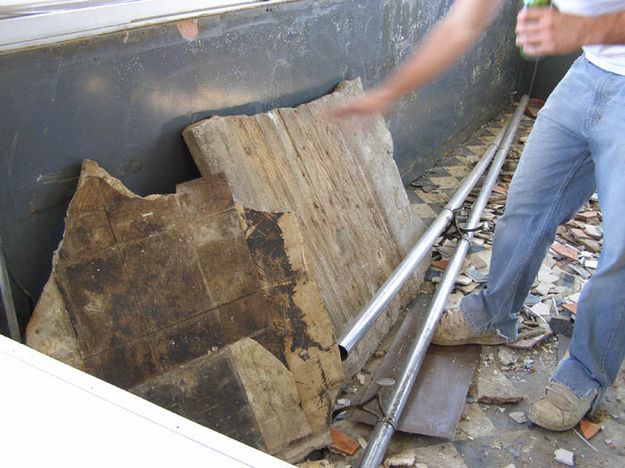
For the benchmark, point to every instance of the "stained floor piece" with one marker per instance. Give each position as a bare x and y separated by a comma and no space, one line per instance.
221,391
437,399
340,181
141,286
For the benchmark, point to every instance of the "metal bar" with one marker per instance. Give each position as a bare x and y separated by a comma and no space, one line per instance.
374,308
384,429
7,298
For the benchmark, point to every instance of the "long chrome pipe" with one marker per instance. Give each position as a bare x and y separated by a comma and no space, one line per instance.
374,308
384,429
7,298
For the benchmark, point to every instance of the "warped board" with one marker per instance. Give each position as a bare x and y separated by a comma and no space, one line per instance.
340,181
438,396
141,286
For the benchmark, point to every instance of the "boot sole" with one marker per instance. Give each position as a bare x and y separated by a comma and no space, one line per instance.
550,427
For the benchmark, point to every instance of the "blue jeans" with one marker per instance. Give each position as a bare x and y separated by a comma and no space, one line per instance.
577,145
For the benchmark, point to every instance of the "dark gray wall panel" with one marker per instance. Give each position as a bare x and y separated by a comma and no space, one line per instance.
549,72
122,100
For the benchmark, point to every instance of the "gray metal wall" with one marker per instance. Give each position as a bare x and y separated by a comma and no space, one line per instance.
122,100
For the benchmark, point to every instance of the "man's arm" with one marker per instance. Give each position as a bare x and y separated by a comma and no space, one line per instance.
440,48
546,31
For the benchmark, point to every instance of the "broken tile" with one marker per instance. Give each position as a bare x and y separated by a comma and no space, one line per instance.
518,417
564,251
589,428
543,289
593,231
405,459
342,443
496,389
545,276
571,307
476,275
591,245
541,309
474,423
440,264
565,457
463,280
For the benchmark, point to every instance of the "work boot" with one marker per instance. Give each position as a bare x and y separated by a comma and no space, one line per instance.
454,330
560,409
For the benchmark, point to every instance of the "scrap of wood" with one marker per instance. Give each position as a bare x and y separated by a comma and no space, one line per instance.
341,183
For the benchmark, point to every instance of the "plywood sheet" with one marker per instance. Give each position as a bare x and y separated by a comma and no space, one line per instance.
341,183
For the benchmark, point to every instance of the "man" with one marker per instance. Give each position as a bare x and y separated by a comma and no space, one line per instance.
577,146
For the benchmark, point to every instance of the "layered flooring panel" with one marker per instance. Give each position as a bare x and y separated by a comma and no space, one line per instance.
340,181
143,286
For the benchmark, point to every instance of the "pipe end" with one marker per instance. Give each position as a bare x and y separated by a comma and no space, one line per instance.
343,352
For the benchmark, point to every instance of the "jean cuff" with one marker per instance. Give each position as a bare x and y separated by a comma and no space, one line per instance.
476,313
572,375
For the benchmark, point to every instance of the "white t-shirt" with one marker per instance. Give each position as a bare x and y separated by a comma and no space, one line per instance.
608,57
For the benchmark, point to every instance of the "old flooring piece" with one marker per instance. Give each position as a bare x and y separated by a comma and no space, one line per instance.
339,180
150,289
437,399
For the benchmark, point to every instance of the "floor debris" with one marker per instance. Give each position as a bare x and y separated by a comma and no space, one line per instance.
342,443
495,389
518,416
565,457
588,428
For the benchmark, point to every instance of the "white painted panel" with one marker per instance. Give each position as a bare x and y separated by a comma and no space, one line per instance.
55,415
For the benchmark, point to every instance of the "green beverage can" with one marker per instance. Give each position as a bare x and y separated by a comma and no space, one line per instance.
533,4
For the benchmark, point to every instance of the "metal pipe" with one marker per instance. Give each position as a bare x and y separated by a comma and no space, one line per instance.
376,305
7,298
384,429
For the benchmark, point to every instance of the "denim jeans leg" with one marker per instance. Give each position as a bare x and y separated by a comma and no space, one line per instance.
553,180
598,345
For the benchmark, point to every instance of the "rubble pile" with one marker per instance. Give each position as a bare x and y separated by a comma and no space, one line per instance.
551,305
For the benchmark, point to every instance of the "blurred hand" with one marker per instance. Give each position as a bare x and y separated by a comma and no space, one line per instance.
377,101
546,31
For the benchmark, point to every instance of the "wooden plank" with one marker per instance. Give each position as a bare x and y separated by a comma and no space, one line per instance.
438,397
340,183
